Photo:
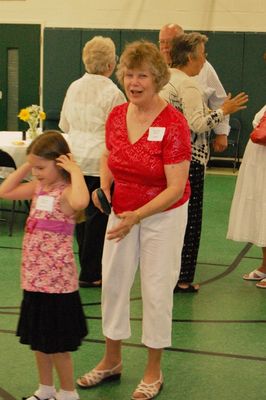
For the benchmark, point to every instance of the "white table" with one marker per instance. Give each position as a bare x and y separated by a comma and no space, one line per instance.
12,143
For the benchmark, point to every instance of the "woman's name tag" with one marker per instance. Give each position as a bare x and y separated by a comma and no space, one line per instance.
156,134
45,203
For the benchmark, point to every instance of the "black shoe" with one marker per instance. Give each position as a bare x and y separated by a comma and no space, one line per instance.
96,284
189,289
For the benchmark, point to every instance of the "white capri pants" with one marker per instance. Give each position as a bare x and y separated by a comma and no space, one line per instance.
155,245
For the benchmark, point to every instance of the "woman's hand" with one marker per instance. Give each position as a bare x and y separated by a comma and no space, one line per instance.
220,143
128,219
234,104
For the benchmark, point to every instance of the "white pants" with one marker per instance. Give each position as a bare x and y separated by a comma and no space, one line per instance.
155,244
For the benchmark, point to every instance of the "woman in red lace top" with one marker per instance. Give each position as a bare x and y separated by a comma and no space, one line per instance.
147,158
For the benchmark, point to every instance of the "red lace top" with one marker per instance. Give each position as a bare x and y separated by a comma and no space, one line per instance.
138,169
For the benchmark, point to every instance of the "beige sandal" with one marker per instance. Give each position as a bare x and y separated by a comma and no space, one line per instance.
96,377
149,390
255,275
261,284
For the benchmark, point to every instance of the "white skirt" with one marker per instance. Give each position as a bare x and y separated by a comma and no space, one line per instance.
247,221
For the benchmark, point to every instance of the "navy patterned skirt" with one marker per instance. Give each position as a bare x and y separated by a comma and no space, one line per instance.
193,229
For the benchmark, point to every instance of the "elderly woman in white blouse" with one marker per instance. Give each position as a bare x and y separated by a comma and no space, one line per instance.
86,106
188,57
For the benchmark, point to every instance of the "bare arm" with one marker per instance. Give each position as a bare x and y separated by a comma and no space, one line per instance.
76,195
106,180
12,188
176,176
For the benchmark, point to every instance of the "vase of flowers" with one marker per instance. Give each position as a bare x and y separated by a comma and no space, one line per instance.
32,115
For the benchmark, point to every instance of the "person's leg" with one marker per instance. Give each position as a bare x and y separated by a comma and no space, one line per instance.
255,275
152,380
46,388
45,368
193,229
112,356
161,241
90,237
64,368
264,258
262,268
108,369
120,262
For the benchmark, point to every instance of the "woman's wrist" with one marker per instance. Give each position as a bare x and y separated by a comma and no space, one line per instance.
138,215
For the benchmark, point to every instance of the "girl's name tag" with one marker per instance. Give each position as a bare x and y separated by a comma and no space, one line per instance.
156,134
45,203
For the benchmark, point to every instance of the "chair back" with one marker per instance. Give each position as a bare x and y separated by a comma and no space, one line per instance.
235,128
6,160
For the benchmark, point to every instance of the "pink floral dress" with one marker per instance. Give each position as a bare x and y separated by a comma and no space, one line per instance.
48,263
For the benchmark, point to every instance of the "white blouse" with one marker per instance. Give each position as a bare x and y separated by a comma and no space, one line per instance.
185,94
86,107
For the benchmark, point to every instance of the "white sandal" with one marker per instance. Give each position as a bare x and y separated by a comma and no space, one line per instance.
96,377
255,275
149,390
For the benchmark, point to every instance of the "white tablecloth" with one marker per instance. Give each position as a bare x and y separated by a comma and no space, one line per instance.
12,143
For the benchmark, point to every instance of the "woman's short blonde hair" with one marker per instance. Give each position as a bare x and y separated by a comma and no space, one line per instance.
185,45
140,53
98,54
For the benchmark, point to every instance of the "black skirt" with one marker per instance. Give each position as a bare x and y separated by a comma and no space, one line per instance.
52,323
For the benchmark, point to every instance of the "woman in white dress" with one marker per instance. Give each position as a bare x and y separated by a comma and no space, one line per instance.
247,221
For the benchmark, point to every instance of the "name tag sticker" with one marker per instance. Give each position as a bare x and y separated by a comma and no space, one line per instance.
45,203
156,134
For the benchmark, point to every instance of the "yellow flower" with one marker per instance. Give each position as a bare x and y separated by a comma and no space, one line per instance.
32,114
42,115
24,114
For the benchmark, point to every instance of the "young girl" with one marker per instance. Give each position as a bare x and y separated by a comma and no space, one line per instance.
51,319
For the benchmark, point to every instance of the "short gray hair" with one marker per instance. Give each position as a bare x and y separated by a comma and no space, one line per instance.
98,54
185,45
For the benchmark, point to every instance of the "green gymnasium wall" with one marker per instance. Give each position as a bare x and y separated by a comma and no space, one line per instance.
236,56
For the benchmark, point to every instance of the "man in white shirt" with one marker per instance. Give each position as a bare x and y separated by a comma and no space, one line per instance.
214,92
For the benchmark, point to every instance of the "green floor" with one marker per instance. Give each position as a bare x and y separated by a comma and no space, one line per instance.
217,350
